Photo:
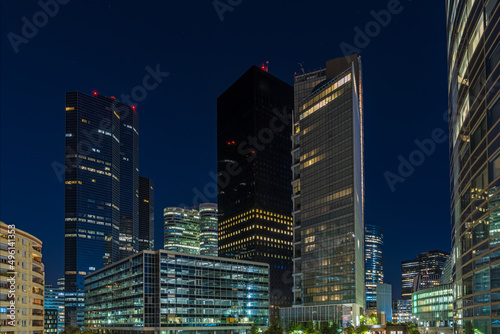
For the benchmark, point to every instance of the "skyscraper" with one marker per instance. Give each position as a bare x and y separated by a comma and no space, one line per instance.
129,185
374,268
328,194
426,263
474,112
181,230
208,229
146,214
384,302
253,153
100,190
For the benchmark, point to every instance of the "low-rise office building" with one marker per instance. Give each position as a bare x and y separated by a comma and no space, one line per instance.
51,321
401,311
433,307
171,291
21,282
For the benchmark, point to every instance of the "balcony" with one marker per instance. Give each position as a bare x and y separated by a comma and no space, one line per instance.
38,280
37,312
37,291
37,269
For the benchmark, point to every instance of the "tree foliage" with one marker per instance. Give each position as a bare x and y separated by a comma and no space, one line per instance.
275,327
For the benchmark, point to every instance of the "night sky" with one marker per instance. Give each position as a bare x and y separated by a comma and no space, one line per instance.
106,46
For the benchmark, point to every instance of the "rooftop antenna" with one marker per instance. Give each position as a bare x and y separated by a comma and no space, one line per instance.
302,68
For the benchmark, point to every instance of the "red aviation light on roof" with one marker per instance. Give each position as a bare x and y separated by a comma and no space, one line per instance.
265,66
95,93
133,107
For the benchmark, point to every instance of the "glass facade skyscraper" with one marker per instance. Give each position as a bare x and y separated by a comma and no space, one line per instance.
253,154
384,302
328,188
100,190
171,292
146,214
54,300
208,229
474,115
426,263
181,230
374,267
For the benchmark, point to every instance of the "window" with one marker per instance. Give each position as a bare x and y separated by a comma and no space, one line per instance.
490,8
478,135
476,36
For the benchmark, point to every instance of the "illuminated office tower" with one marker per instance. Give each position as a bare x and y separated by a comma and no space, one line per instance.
474,115
101,190
208,229
423,271
374,268
146,214
181,230
328,195
253,154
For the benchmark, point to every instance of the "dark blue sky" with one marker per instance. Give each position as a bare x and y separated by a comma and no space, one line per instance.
106,46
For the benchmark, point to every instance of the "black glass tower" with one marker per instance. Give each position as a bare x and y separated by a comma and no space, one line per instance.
100,189
253,152
129,186
146,214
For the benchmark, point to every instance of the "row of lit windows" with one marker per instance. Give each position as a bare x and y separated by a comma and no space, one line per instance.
257,213
93,170
326,92
255,227
257,237
312,161
84,157
329,198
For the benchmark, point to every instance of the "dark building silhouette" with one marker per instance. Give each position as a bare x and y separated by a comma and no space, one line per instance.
146,214
253,144
101,194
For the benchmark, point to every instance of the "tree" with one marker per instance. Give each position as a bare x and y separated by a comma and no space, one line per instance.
372,319
412,329
275,327
361,329
309,328
349,329
254,329
71,330
327,328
